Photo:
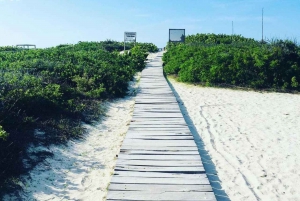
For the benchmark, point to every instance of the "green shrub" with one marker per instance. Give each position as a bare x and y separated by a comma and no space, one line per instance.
234,60
3,134
54,90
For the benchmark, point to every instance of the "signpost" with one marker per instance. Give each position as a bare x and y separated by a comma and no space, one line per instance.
177,35
129,37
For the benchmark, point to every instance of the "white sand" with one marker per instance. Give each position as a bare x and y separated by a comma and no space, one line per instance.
82,170
253,139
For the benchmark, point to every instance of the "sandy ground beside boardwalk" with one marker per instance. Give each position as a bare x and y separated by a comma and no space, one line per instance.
253,139
82,170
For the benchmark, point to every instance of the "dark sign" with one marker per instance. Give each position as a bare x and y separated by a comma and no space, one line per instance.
177,35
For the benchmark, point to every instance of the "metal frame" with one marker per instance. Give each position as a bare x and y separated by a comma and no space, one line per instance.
176,41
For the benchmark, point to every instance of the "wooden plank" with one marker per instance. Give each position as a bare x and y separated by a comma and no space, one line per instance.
186,170
159,130
161,157
154,89
148,114
158,142
160,114
147,111
160,163
158,123
141,118
159,148
159,120
164,180
167,196
157,101
161,126
159,137
151,96
153,133
158,175
152,152
158,96
149,122
159,106
164,133
160,188
152,111
156,108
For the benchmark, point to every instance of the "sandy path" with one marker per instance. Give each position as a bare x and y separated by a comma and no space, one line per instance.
253,139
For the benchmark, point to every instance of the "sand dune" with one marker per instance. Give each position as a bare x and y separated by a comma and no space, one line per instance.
81,170
253,139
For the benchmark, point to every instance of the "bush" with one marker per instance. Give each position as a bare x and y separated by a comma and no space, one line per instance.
235,60
3,133
54,90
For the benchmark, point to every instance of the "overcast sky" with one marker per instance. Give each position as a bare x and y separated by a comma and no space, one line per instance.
52,22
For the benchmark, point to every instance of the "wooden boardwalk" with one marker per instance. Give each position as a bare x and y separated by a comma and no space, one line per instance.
159,159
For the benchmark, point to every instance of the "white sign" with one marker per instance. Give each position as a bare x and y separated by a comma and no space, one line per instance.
130,36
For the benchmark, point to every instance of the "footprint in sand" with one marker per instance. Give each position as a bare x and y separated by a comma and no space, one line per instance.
86,182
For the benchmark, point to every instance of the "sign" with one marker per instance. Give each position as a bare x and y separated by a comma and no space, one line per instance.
177,35
130,36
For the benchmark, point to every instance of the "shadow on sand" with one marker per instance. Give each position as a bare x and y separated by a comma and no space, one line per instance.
209,166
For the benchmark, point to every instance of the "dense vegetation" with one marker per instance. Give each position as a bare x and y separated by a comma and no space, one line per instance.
52,91
235,60
8,48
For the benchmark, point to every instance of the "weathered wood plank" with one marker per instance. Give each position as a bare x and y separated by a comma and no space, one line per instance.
159,142
160,129
161,148
186,170
167,196
151,152
166,123
163,126
158,115
164,180
160,137
158,107
160,163
160,188
156,119
158,174
160,157
153,111
143,132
